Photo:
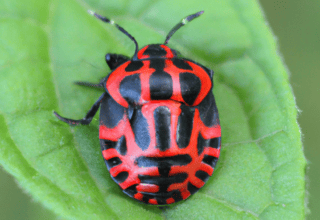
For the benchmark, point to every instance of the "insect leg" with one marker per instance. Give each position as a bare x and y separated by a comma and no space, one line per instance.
87,119
89,84
94,85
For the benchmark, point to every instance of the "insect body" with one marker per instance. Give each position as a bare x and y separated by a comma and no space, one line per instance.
159,127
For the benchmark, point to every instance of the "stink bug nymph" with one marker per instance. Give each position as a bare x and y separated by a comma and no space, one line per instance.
159,128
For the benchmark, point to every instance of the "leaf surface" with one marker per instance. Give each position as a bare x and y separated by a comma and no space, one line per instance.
47,45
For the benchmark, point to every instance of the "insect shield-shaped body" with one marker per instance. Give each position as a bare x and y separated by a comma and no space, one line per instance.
159,127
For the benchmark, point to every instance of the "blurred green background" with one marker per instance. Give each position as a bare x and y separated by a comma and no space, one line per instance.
295,23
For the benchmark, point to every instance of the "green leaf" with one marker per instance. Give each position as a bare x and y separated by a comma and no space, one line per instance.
46,45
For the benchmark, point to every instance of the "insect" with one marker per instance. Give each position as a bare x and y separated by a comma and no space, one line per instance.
159,129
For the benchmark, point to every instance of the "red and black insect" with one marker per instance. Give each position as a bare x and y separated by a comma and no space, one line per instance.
159,127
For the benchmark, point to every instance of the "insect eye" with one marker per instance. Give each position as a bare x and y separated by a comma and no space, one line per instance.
108,57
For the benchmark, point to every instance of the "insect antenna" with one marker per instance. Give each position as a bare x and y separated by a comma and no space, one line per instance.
107,20
183,22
